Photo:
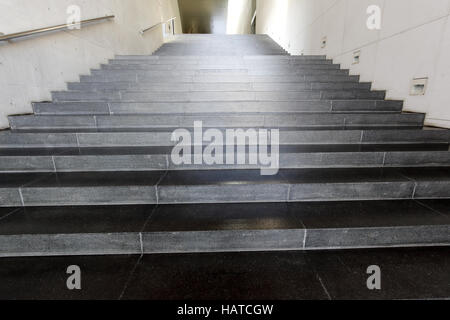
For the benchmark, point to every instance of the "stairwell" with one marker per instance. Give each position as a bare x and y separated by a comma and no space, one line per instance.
90,173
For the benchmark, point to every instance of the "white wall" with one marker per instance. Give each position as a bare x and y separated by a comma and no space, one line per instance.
31,68
413,42
240,14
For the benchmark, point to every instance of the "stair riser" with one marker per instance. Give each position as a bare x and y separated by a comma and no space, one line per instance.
186,67
227,51
314,121
217,79
163,162
236,73
144,139
224,61
101,108
222,241
214,96
242,193
222,58
186,87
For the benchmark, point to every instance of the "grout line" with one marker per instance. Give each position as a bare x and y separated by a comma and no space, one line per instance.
78,143
142,244
54,163
109,108
414,191
167,162
78,140
21,197
323,286
127,283
10,213
157,195
384,159
430,208
362,137
157,184
304,237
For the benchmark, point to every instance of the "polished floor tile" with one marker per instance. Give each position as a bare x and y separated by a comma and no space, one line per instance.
102,278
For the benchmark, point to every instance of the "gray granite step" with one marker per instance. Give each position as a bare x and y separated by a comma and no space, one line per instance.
214,78
104,108
232,186
124,73
219,66
148,139
238,86
221,61
320,121
215,96
220,228
158,162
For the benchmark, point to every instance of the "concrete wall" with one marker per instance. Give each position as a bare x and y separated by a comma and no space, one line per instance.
31,68
413,42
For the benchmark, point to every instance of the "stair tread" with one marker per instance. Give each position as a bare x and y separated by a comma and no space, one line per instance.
76,161
223,177
311,148
219,217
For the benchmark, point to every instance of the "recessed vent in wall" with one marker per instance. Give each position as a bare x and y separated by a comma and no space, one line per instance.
356,57
324,42
419,86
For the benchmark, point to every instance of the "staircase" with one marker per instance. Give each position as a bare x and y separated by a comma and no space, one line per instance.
90,172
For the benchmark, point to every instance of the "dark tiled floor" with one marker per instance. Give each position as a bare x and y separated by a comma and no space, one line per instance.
45,278
406,274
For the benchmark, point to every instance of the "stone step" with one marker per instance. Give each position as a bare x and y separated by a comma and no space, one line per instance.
9,140
223,61
152,78
186,87
158,162
263,58
215,96
218,72
319,121
223,186
205,228
104,108
204,67
71,150
211,51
